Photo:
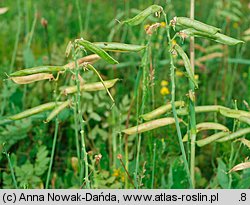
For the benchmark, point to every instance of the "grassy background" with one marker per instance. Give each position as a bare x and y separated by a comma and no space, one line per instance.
223,80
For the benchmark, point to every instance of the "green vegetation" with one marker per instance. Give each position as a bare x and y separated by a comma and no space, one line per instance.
125,94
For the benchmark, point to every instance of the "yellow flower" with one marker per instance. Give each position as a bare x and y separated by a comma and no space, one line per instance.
163,24
235,25
196,77
179,73
164,91
116,172
164,83
123,178
173,42
146,26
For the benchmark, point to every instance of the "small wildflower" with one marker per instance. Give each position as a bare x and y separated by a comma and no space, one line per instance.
119,156
173,42
116,173
164,91
163,24
98,158
179,73
196,77
123,178
183,35
150,29
146,27
191,95
164,83
235,25
173,21
44,22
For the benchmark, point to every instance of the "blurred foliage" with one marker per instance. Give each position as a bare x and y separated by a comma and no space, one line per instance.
222,80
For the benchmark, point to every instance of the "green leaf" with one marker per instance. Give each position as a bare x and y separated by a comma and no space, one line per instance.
103,134
42,161
177,177
95,116
245,180
222,175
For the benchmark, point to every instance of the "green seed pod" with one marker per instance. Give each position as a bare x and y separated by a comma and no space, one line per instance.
211,126
161,110
234,135
149,125
86,59
197,25
221,38
89,87
40,69
95,49
241,115
211,139
119,47
229,113
245,142
244,119
207,126
34,110
57,110
186,63
143,15
32,78
200,109
192,32
218,37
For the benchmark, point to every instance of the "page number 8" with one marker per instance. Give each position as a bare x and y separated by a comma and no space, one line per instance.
243,197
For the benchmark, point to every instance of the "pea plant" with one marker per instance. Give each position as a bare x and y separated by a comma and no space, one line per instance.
178,30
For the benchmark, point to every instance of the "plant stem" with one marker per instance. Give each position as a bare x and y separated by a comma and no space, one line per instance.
153,171
32,29
87,17
52,153
192,121
114,140
27,46
13,59
231,165
77,139
144,94
124,167
79,16
11,167
81,121
172,76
